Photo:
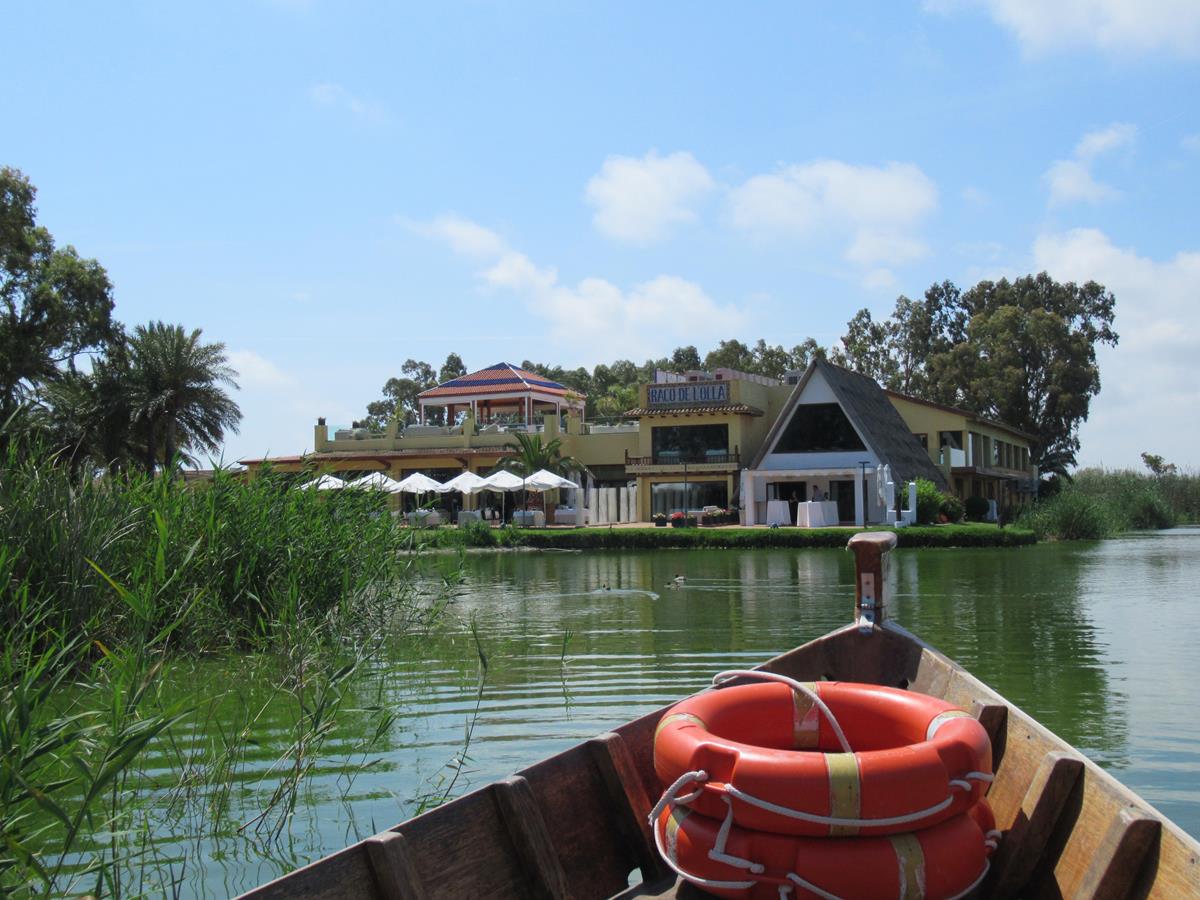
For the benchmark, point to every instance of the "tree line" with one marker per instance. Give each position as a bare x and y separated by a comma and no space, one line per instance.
1022,352
79,382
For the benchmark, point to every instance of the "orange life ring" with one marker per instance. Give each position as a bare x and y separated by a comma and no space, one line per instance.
936,863
769,751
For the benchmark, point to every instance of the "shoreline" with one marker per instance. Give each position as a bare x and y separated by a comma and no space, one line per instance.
730,537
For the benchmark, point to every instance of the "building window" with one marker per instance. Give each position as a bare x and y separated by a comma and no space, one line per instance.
951,439
693,443
668,497
818,428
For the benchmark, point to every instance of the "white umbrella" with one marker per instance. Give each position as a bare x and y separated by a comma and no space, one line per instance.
376,481
504,481
467,482
325,483
545,480
419,483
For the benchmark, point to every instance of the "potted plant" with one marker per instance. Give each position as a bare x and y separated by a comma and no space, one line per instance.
660,520
679,520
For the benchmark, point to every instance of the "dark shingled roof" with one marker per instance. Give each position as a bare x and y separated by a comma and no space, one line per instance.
882,427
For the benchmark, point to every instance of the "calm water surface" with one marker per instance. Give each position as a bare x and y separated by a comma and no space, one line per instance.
1094,640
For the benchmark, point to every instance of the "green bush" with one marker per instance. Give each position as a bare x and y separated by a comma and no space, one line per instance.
952,508
478,534
1070,515
703,538
929,502
976,509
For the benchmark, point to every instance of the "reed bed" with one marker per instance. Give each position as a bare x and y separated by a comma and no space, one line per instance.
1100,503
108,584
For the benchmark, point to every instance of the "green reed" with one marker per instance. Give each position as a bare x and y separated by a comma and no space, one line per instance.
1100,503
106,583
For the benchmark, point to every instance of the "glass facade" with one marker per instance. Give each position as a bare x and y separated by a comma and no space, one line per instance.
695,443
819,428
668,497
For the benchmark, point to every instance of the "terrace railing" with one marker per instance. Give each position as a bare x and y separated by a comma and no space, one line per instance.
691,459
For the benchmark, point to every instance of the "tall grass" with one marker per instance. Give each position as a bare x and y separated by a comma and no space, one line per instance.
103,583
1100,503
233,560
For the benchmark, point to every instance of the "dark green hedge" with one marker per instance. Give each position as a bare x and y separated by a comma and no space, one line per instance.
651,538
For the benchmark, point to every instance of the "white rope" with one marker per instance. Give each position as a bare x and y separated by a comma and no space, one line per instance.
981,776
720,679
696,879
669,794
809,886
836,820
718,854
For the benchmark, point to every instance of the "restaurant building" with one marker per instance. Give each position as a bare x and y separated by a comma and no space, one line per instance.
719,439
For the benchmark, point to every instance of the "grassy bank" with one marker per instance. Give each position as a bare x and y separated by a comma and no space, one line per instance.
966,535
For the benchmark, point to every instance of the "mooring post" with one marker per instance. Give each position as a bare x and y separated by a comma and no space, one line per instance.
870,550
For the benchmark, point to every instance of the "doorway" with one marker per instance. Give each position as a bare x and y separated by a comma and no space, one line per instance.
843,494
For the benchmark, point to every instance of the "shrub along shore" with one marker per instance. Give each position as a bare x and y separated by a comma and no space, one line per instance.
965,535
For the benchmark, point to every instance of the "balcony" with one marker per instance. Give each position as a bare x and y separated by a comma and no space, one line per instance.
712,461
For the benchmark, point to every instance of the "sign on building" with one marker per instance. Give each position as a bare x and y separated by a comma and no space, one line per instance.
693,392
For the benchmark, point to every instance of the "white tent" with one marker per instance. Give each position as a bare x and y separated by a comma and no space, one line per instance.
504,480
419,483
467,482
325,483
376,481
545,480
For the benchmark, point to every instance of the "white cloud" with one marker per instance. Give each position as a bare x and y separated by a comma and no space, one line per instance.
871,210
1092,144
639,200
255,371
333,96
595,319
1149,383
1191,142
463,235
1071,180
1116,26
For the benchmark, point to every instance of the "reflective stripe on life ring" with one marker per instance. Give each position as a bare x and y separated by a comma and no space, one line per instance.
917,760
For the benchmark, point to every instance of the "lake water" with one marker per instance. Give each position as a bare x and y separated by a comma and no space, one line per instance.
1097,641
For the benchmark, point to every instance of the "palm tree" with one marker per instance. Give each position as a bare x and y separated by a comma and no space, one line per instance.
177,392
529,454
86,416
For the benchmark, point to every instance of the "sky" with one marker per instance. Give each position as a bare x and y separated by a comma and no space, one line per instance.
332,188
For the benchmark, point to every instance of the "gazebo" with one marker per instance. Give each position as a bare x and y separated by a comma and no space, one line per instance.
502,392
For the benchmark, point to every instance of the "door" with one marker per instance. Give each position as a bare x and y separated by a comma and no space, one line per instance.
843,495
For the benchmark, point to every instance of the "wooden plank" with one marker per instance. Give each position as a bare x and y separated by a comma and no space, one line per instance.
1127,846
994,719
531,838
631,803
1026,840
395,872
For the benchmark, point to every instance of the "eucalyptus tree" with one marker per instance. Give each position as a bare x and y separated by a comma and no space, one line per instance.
54,304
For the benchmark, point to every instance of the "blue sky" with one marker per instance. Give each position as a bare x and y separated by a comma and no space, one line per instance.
330,188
